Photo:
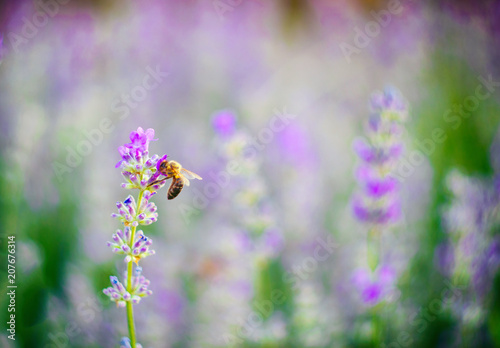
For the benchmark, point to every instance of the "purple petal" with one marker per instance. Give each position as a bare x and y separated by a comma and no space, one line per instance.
377,101
374,185
390,214
372,294
444,258
378,188
224,122
150,134
273,240
361,278
160,161
364,151
361,212
386,275
396,150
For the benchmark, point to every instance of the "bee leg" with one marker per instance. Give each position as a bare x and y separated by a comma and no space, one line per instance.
157,182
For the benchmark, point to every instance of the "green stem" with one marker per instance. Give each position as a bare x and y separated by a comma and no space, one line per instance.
378,326
373,246
130,322
130,310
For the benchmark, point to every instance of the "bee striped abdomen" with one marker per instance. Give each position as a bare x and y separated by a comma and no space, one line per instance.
175,188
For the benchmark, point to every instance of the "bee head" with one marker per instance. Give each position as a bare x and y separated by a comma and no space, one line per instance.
163,165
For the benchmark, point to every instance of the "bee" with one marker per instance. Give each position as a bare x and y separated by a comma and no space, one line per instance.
180,176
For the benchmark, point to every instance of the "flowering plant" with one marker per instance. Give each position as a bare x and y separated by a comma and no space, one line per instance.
377,203
140,172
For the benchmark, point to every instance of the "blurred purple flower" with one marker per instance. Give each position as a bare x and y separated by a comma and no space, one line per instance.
224,123
295,146
389,100
493,254
444,258
365,212
484,267
243,242
374,184
273,241
242,288
374,286
172,303
378,201
364,151
470,219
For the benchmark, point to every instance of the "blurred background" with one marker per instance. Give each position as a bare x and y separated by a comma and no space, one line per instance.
236,261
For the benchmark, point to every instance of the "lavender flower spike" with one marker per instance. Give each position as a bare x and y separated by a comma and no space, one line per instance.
140,172
377,202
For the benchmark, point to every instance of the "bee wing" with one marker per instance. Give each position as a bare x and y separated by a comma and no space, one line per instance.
190,175
185,180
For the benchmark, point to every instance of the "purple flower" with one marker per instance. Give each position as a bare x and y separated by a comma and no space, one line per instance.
173,305
364,211
493,254
374,286
131,215
470,220
117,292
137,149
224,123
139,169
139,140
374,184
444,258
484,267
272,241
139,289
364,151
378,202
388,100
295,145
139,250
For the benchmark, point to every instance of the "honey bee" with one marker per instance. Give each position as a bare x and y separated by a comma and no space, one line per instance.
179,176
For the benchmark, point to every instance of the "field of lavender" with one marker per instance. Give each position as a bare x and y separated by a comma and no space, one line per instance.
245,173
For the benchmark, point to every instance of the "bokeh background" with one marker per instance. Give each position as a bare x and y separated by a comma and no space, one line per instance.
68,65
